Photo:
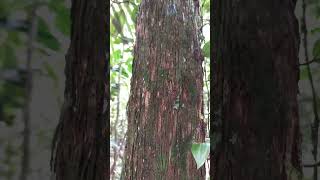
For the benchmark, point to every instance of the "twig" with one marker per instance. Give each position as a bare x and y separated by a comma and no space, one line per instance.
307,63
312,165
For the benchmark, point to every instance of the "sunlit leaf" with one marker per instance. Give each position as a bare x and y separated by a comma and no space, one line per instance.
206,49
116,55
200,152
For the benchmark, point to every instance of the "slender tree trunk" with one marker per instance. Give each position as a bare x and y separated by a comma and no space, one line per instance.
115,127
315,125
25,163
165,108
255,90
79,151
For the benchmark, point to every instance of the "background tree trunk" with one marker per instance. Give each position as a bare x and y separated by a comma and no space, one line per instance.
25,163
80,152
255,90
165,105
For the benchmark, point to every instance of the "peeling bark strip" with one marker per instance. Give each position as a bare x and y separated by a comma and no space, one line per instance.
165,105
255,90
79,144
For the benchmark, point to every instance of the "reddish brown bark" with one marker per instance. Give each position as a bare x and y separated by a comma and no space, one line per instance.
80,140
255,90
165,104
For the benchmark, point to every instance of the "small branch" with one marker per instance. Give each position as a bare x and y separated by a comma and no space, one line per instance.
309,62
312,165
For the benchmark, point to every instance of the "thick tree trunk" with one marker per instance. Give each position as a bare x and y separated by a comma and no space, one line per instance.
79,145
165,105
255,90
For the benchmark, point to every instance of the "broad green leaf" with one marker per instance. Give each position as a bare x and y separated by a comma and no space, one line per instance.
45,37
200,152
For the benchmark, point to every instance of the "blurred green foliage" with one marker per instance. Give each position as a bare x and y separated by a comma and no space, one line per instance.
14,32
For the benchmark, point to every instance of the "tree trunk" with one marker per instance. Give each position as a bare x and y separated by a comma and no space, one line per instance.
165,108
80,141
25,163
255,90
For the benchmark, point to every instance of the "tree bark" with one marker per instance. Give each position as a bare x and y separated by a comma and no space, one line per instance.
255,86
165,108
79,149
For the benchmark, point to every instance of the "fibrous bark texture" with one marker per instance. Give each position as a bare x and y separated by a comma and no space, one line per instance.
79,144
255,86
165,108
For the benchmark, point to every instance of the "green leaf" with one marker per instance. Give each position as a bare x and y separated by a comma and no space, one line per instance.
45,37
116,55
14,38
8,57
303,73
124,72
316,11
51,73
200,152
206,5
315,30
117,40
63,21
206,49
316,49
